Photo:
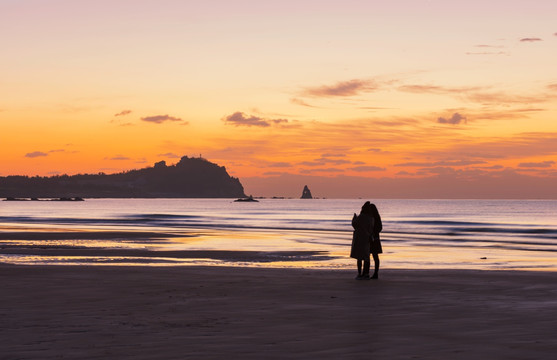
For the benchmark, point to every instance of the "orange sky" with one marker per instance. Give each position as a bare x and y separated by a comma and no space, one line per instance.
358,98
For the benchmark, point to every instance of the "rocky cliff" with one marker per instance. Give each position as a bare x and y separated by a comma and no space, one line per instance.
306,194
189,178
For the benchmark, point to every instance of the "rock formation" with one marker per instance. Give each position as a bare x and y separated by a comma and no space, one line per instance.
189,178
306,194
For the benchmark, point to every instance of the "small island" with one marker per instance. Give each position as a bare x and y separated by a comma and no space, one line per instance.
189,178
306,194
36,199
246,199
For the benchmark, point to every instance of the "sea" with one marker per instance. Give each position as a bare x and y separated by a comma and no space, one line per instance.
283,233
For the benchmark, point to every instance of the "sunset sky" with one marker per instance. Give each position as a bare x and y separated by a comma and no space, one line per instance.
353,98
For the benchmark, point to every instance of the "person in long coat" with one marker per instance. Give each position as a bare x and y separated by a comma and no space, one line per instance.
375,244
361,245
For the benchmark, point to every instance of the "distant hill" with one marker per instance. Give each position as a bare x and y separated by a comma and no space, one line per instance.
189,178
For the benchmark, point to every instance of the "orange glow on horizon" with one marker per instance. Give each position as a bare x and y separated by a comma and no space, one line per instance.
396,90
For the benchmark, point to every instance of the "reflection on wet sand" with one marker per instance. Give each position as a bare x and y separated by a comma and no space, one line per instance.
212,248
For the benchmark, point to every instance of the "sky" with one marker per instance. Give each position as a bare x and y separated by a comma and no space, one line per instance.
376,99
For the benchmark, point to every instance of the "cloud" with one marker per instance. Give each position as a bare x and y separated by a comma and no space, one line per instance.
489,46
543,164
488,50
367,168
159,119
343,88
443,163
323,160
327,170
300,102
273,173
499,98
280,164
493,167
476,94
35,154
333,155
170,155
240,119
487,53
118,157
530,39
416,88
123,113
455,119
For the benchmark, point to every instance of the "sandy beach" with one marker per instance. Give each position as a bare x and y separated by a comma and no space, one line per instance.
52,312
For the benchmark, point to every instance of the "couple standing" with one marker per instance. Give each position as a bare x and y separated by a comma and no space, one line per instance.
365,240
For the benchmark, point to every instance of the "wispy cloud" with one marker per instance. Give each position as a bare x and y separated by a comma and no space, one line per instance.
530,39
501,98
454,120
480,95
159,119
123,113
170,155
327,155
118,158
542,164
35,154
442,163
321,170
435,89
301,102
488,50
487,53
489,46
324,160
343,88
240,119
366,168
279,164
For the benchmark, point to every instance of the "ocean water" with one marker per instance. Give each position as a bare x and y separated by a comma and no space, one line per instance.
459,234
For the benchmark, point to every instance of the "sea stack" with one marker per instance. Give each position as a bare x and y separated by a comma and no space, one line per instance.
306,194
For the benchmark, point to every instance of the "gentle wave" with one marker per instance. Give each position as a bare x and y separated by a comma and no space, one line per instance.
446,226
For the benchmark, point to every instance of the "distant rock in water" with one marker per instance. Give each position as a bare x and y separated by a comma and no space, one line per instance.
189,178
306,194
247,199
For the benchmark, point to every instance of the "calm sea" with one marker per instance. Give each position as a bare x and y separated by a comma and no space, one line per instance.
462,234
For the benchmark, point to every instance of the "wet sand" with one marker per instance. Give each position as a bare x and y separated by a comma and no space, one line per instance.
88,312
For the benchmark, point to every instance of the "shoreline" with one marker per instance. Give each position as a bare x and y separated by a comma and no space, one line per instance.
134,312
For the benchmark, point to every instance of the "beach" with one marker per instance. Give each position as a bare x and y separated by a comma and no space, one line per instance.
147,312
207,279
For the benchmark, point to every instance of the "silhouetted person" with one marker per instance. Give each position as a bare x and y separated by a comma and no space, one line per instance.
375,244
363,230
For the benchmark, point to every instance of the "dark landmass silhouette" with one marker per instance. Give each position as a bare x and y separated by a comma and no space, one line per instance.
306,194
246,199
189,178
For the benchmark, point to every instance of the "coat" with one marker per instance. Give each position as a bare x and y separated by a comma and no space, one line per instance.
376,247
363,229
